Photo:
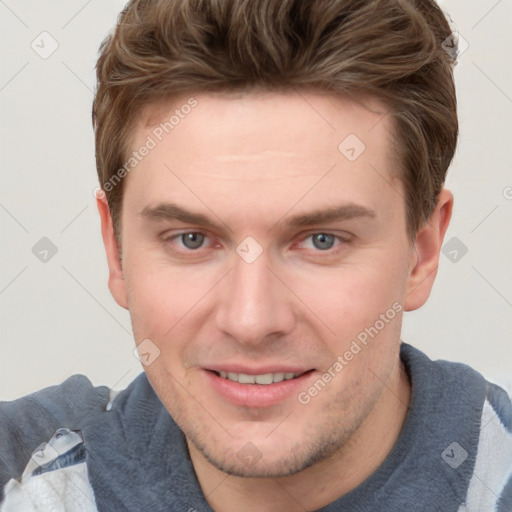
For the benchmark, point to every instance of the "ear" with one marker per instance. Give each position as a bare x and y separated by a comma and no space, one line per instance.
426,251
116,281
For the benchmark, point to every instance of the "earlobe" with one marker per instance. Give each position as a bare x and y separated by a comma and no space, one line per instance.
428,244
116,281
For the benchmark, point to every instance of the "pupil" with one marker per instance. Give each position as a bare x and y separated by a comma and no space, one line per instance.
323,241
192,240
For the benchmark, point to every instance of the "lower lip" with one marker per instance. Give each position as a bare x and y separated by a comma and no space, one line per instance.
257,395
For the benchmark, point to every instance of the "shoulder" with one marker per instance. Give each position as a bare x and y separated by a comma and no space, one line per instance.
445,380
55,477
491,484
73,397
463,406
29,421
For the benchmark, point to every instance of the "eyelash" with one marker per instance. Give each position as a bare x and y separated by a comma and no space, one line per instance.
328,252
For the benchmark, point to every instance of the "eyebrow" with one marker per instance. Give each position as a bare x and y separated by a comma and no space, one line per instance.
172,211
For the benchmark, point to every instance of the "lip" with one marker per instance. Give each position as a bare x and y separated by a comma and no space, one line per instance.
256,395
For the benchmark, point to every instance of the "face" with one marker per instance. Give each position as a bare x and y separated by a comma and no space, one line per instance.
257,248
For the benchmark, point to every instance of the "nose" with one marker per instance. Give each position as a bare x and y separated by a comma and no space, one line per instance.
255,305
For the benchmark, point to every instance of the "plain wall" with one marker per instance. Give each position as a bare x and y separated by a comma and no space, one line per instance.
58,317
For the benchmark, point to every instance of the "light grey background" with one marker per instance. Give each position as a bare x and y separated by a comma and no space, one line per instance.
58,317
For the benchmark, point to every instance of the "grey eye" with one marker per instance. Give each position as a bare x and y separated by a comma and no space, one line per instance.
192,240
323,241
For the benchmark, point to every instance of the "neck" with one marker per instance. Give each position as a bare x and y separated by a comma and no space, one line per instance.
324,482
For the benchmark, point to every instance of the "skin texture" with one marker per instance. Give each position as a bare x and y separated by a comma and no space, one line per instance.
249,162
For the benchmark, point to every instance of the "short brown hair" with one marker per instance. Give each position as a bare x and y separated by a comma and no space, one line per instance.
390,50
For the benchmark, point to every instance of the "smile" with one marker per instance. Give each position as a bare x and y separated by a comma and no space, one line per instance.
257,389
265,378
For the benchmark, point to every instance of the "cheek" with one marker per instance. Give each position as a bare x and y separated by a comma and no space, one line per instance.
378,287
351,297
161,297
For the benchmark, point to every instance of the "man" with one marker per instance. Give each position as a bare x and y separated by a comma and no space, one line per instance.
272,202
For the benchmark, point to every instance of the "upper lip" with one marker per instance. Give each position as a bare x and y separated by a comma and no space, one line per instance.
261,370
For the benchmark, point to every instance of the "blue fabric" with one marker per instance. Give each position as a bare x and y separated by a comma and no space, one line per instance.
505,501
31,420
500,402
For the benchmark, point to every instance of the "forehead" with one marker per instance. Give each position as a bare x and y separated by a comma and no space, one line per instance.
266,125
264,111
215,146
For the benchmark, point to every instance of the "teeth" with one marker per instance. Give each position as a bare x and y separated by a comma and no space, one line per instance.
246,379
265,379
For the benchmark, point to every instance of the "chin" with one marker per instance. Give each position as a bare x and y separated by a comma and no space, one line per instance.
257,467
267,459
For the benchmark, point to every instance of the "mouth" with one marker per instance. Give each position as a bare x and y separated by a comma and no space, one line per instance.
253,389
265,379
